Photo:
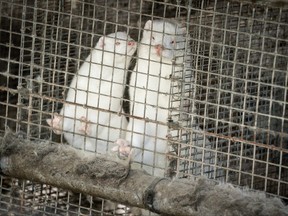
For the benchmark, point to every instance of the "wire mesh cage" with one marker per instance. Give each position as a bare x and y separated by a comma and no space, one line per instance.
227,117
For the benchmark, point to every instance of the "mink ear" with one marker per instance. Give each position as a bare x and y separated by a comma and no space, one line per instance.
148,25
101,42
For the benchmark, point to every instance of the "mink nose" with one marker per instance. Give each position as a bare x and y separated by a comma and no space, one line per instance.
159,47
131,43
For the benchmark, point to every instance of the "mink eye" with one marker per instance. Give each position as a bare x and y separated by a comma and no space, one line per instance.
173,42
117,43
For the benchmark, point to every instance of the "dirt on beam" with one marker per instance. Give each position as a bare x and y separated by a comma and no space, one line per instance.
65,167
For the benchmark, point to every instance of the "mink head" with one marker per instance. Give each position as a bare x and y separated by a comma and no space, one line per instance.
166,41
117,47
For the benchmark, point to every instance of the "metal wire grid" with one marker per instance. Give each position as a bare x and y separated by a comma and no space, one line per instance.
49,42
236,125
28,198
240,65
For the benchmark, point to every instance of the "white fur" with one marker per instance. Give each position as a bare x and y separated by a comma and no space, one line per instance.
149,91
99,83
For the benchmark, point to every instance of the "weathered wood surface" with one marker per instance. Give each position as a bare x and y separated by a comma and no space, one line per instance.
65,167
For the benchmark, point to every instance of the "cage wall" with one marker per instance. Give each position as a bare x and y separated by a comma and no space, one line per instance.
227,105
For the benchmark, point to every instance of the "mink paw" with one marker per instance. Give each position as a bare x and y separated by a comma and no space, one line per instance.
55,123
85,126
123,148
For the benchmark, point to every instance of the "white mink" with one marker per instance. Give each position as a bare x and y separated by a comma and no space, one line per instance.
99,84
160,52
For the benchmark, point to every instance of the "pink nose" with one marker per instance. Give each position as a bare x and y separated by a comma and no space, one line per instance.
159,49
131,43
